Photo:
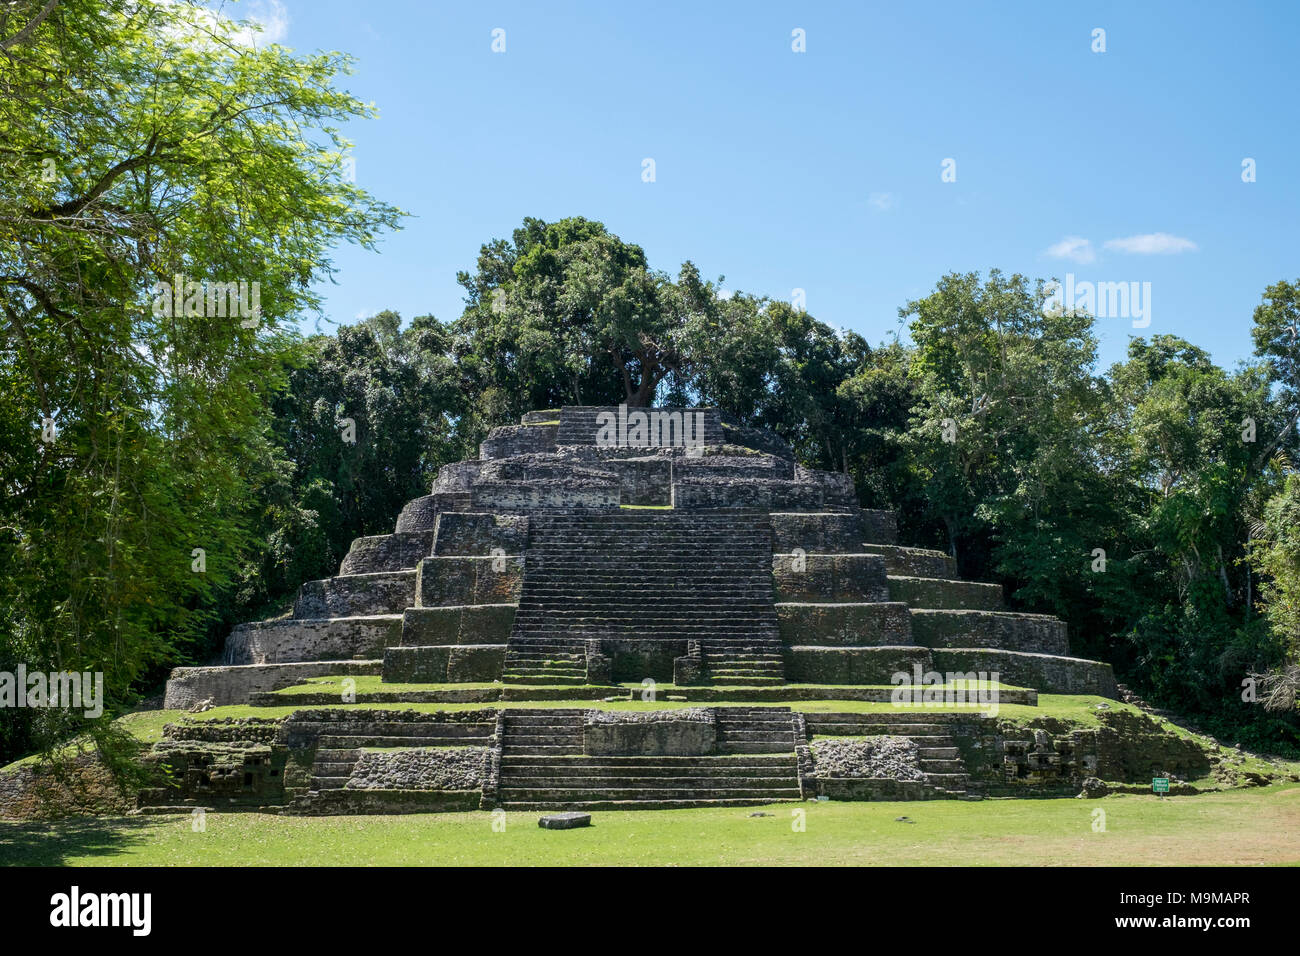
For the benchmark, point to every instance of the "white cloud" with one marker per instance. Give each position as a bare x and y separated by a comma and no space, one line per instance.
270,15
197,25
1152,244
883,201
1075,248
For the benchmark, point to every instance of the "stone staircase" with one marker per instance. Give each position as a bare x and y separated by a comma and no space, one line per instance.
939,757
633,575
543,766
338,751
754,730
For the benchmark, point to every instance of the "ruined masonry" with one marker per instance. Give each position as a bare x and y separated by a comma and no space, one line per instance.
584,550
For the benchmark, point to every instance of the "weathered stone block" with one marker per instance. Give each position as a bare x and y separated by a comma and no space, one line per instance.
523,498
465,624
879,527
863,625
388,592
510,440
645,481
569,820
1048,673
827,578
464,580
478,533
475,663
188,686
335,639
421,514
1005,630
438,664
820,533
942,593
914,562
852,665
386,552
662,736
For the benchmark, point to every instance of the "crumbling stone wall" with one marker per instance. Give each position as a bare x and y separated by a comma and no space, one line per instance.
430,768
239,772
1051,755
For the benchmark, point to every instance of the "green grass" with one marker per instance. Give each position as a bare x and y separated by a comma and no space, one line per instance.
1243,827
371,684
374,683
1078,708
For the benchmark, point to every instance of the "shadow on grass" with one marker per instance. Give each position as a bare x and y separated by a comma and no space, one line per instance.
55,842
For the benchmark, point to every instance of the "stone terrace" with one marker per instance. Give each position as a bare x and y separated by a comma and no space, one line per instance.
585,551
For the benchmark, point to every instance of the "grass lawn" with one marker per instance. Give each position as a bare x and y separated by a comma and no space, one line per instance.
1080,708
1241,827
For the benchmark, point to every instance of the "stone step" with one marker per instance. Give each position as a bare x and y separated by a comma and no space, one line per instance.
295,640
559,717
566,738
603,786
1003,630
386,552
568,795
622,598
756,681
755,731
543,679
645,799
644,804
937,753
647,615
332,770
945,594
931,734
600,774
548,624
949,781
641,763
932,766
356,595
329,783
915,562
402,742
402,728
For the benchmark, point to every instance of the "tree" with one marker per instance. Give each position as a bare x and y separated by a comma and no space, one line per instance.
566,313
1276,332
170,198
360,429
987,445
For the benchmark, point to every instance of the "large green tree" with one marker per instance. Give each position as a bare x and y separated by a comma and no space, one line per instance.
567,313
139,143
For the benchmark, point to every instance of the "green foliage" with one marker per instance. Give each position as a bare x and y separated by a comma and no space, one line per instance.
399,395
139,142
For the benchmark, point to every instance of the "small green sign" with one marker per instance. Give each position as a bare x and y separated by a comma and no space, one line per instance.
1160,784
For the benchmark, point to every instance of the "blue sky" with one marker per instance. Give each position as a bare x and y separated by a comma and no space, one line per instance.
822,170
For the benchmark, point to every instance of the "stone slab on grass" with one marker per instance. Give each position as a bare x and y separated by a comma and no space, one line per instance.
564,821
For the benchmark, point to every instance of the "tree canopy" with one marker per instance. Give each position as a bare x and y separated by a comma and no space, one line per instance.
146,150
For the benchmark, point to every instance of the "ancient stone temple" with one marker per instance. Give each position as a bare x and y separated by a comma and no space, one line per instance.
589,553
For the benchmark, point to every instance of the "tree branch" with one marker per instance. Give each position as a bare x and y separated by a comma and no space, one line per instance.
23,34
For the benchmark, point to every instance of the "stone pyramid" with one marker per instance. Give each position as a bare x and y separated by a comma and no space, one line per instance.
597,546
